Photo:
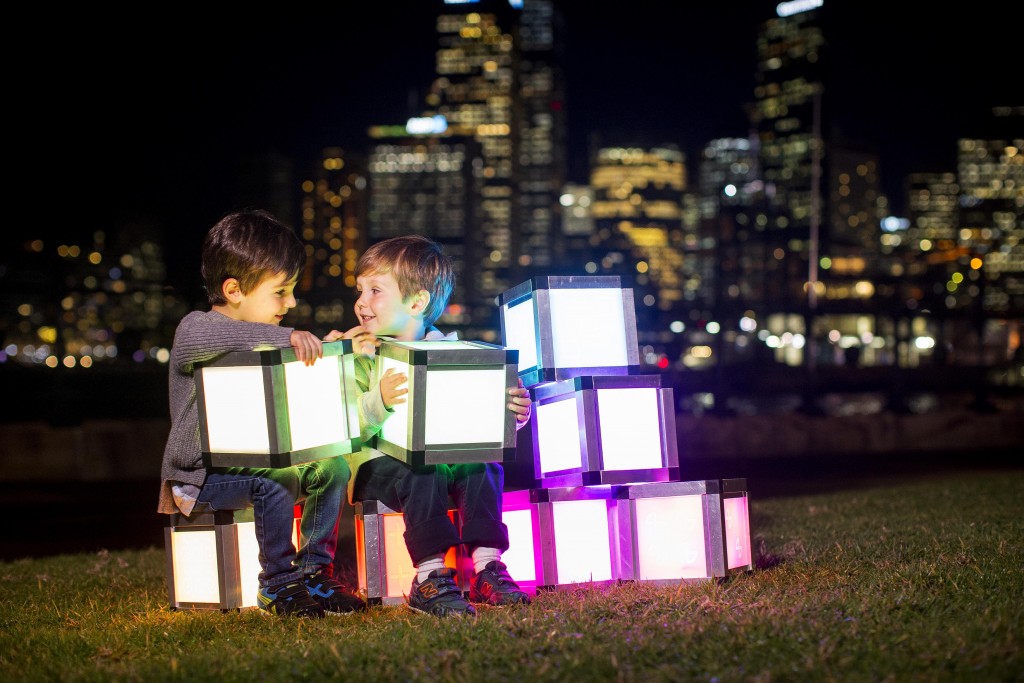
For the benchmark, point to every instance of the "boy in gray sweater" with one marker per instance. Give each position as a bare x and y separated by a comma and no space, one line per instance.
250,266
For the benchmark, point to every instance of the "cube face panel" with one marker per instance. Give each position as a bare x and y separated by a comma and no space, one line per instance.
523,558
670,541
469,407
520,332
588,329
557,445
630,429
268,409
195,579
316,399
456,409
227,393
739,555
565,327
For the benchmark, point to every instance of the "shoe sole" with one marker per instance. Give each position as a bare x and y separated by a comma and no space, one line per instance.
450,613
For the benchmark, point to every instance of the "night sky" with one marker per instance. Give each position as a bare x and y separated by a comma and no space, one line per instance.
142,115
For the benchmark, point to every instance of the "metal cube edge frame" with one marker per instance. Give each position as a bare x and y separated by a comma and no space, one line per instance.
536,330
423,431
318,418
655,441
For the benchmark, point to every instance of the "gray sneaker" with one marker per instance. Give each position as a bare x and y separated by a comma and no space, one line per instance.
439,595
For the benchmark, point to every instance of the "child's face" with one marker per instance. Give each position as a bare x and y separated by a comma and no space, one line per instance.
382,311
269,301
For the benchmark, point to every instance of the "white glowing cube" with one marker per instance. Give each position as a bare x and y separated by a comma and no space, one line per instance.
567,326
268,409
683,530
577,532
604,430
384,568
213,559
457,406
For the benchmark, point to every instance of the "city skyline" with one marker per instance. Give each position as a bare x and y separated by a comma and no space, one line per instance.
156,141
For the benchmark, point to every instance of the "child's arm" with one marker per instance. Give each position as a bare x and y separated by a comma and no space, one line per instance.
520,403
204,335
307,347
363,341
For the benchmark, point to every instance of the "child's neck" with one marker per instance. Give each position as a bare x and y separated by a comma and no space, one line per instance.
416,331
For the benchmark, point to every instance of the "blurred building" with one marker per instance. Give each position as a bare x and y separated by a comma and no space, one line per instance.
499,94
428,183
638,231
333,227
991,177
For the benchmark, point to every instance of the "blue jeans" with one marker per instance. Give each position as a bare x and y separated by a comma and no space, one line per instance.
422,496
273,493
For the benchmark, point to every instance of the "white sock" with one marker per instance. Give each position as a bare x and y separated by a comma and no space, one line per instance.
430,564
484,556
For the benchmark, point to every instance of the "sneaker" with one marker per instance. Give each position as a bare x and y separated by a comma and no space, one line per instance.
493,586
291,600
438,595
331,595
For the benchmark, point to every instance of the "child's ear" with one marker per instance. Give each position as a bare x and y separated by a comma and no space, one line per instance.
421,300
231,290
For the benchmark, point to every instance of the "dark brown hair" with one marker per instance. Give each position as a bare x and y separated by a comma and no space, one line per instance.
249,246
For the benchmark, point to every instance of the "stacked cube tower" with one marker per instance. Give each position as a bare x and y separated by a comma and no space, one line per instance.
607,502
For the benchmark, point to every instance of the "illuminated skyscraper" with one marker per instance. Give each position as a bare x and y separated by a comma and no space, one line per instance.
637,212
430,184
498,84
823,198
991,174
333,228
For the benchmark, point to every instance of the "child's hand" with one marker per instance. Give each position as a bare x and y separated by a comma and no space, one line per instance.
392,390
307,346
363,341
520,403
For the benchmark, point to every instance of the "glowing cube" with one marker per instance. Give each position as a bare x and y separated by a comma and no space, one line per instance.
567,326
456,409
683,530
577,533
268,409
383,564
523,557
213,559
604,430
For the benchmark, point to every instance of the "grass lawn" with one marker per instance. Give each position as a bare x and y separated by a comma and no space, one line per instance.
917,579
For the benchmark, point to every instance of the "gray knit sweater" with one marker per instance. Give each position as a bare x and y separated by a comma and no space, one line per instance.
201,336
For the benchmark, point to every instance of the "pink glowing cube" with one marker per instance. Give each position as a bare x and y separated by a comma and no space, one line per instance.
683,530
562,537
